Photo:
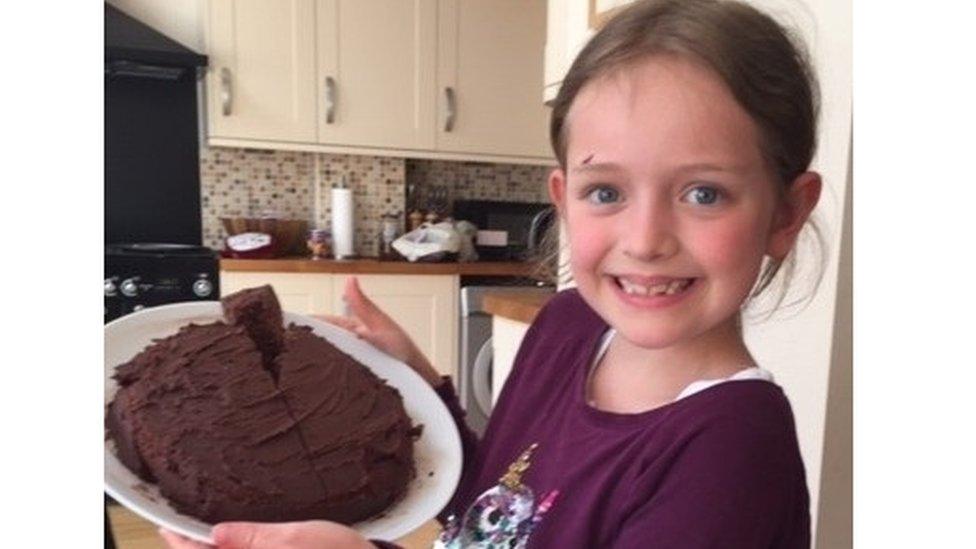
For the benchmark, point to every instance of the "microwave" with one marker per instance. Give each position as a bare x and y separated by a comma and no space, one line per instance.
507,231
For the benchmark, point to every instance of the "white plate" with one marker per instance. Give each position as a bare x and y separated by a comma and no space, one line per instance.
437,452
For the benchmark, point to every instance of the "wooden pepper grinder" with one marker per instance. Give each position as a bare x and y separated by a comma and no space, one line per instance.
416,217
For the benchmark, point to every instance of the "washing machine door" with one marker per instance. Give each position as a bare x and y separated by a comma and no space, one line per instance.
481,378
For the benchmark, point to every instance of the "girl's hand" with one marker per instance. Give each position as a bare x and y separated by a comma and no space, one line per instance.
368,322
313,534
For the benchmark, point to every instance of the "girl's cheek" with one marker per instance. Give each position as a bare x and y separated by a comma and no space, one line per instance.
588,241
736,247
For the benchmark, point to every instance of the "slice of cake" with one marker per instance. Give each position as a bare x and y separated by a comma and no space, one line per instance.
258,311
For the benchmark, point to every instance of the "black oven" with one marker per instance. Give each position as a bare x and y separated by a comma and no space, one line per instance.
138,276
507,231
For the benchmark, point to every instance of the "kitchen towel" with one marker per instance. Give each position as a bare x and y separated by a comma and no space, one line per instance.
342,222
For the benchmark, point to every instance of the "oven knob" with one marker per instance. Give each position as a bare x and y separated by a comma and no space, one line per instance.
109,287
202,287
129,287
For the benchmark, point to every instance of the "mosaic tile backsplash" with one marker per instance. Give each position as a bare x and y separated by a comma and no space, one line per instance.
296,185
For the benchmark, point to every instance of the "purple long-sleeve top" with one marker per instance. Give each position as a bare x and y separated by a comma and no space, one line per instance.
719,468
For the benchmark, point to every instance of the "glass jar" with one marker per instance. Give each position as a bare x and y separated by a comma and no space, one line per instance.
319,243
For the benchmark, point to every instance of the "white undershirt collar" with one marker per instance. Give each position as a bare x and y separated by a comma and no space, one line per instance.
754,372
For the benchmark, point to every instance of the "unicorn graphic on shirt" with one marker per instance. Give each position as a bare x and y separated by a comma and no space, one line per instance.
502,516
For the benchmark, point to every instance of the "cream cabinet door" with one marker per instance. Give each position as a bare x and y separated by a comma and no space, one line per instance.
376,66
490,71
426,306
261,80
303,293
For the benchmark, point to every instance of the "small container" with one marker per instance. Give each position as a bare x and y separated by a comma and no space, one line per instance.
389,229
319,243
416,218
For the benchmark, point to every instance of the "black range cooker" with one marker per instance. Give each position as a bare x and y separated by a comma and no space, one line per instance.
145,275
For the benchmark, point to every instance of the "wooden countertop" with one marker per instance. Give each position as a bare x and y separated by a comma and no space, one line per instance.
375,266
521,307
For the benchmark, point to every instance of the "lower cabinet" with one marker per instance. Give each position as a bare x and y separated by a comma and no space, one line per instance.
426,306
303,293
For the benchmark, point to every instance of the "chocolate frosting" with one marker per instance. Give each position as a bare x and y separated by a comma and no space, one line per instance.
200,414
364,469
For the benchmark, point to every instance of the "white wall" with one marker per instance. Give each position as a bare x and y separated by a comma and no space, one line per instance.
799,350
181,20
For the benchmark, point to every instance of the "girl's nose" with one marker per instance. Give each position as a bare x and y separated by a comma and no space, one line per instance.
648,235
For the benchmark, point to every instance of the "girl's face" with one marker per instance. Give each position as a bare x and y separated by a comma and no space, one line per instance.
668,204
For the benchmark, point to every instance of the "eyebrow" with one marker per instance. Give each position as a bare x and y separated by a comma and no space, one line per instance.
597,167
585,167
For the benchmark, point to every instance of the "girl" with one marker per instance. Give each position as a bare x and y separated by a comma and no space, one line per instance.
634,415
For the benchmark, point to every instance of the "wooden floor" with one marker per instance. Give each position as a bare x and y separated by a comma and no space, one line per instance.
133,532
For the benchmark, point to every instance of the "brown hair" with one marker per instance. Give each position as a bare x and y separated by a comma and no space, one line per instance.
764,67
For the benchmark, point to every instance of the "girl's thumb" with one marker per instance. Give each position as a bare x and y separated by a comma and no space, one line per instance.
359,305
236,535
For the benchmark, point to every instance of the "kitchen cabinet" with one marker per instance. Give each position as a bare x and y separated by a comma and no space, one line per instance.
375,77
303,293
444,79
490,61
426,306
261,80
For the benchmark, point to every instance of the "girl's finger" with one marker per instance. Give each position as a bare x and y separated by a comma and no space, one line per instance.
348,323
176,541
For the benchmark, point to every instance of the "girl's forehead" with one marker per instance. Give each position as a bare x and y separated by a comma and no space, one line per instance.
664,107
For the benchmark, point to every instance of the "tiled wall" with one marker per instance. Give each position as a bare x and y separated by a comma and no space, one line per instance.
249,182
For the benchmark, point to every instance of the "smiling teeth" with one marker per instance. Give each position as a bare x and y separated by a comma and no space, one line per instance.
671,288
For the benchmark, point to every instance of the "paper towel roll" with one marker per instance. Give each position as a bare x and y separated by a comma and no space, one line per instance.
342,226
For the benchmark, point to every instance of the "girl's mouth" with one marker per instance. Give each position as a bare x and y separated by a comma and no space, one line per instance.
673,287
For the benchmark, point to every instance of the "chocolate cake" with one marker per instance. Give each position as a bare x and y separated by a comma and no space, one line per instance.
247,420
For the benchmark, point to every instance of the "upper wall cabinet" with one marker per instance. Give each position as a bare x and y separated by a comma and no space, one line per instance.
452,79
376,63
490,65
261,81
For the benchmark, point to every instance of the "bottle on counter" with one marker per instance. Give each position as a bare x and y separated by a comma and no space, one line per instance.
319,243
389,231
416,217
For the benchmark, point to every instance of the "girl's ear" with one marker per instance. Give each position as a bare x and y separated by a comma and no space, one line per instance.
557,190
800,199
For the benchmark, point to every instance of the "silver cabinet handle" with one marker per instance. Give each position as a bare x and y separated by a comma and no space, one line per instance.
330,99
226,96
451,103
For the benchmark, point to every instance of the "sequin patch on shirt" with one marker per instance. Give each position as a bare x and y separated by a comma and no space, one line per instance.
502,517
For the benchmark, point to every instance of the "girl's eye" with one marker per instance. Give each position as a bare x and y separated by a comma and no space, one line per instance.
603,195
703,195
